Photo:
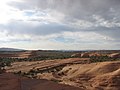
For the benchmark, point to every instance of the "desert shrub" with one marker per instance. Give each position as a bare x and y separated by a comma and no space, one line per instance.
102,59
55,80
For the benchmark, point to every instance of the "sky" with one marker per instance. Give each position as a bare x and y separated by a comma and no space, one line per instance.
60,24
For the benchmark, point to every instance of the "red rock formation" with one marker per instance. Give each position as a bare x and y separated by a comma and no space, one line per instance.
114,55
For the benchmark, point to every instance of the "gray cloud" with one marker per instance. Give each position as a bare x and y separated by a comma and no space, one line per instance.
21,27
79,9
75,8
99,16
111,32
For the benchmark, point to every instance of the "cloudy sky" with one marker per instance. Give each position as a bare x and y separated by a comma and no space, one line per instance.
60,24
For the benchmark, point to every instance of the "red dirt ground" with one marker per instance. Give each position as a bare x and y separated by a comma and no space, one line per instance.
10,81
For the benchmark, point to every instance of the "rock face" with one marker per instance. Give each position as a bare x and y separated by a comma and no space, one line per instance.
95,55
95,76
114,55
12,82
45,65
86,54
76,55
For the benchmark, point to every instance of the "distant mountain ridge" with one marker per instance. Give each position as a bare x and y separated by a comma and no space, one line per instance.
10,49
